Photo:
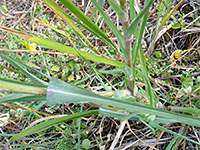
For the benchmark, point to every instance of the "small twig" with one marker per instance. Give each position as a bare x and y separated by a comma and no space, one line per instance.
177,76
33,51
195,43
196,134
138,137
193,98
192,22
43,119
123,123
44,62
158,139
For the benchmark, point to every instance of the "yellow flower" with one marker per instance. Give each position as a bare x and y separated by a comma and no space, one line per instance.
24,43
176,54
30,46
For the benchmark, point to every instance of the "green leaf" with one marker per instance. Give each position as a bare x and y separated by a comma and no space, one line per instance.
110,43
137,48
63,15
39,73
197,81
70,50
24,71
187,81
60,92
117,33
170,13
45,125
172,132
61,32
176,25
172,142
78,13
86,144
117,114
117,9
115,72
144,73
96,73
21,87
62,48
136,20
101,2
186,110
55,68
128,72
132,10
21,97
11,69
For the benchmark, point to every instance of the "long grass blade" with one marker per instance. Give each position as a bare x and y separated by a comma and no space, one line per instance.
170,13
21,97
149,89
189,110
22,87
132,10
60,92
172,142
117,33
172,132
109,42
24,71
59,31
136,20
38,73
63,15
117,9
45,125
62,48
78,13
138,45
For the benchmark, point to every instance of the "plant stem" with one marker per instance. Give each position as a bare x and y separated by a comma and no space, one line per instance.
125,24
19,87
79,129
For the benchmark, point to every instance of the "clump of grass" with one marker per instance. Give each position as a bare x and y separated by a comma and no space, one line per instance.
125,84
